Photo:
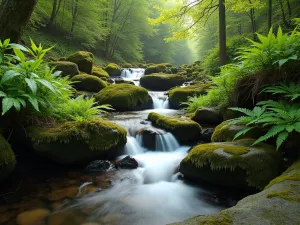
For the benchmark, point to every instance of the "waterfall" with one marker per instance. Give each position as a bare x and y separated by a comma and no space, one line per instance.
133,147
133,73
160,100
166,143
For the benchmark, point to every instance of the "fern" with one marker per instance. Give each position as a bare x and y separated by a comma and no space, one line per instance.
291,90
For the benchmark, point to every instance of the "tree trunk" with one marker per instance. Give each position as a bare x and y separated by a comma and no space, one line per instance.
55,10
74,14
270,15
222,32
14,16
285,22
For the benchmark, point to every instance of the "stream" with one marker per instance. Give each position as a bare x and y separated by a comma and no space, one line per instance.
152,194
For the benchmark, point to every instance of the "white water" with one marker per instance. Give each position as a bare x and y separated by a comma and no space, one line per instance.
160,100
133,73
166,143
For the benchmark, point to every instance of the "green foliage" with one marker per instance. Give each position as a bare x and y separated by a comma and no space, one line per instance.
291,91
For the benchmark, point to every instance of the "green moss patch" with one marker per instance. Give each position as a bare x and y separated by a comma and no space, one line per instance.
99,72
67,68
288,195
125,97
221,219
113,69
86,82
161,82
184,129
181,94
157,68
84,61
7,159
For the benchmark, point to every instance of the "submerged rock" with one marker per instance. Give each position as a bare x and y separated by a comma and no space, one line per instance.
278,203
125,97
7,159
127,163
98,166
235,164
86,82
211,116
78,142
161,82
84,61
67,68
32,217
184,129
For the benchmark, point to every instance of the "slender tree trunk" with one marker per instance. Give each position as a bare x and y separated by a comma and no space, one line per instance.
222,32
285,22
74,14
55,10
253,22
14,16
270,14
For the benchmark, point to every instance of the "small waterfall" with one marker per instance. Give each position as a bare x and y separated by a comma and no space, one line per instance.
133,73
166,104
133,147
166,143
160,100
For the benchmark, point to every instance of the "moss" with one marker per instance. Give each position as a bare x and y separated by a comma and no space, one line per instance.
86,82
224,218
161,82
127,65
223,132
113,69
261,163
99,72
291,174
157,68
125,97
84,61
78,142
181,94
7,159
67,68
184,129
288,195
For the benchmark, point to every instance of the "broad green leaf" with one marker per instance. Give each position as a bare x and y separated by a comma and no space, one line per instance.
10,74
31,84
7,104
47,84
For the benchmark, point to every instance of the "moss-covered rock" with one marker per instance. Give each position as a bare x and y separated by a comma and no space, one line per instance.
127,65
125,97
184,129
278,204
67,68
234,164
113,69
78,142
122,81
86,82
181,94
99,72
84,61
157,68
223,132
7,159
161,82
209,116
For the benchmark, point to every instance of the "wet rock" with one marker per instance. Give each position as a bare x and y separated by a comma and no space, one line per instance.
149,137
60,194
98,166
207,116
206,134
32,217
127,163
145,122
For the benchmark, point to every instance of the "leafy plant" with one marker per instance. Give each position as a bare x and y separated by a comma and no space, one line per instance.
291,91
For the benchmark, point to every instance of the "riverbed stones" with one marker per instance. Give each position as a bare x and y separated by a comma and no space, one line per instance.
184,129
207,116
75,143
127,163
67,68
84,61
125,97
277,204
32,217
161,82
7,159
86,82
234,164
98,166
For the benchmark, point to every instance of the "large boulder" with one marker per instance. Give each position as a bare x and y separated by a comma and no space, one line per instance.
181,94
86,82
234,164
184,129
208,116
67,68
7,159
224,132
278,203
125,97
161,82
84,61
99,72
113,70
72,143
157,68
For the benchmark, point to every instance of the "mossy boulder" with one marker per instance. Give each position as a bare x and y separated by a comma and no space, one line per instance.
99,72
67,68
113,69
7,159
157,68
84,61
208,116
72,143
235,164
181,94
277,204
125,97
86,82
127,65
184,129
161,82
225,132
